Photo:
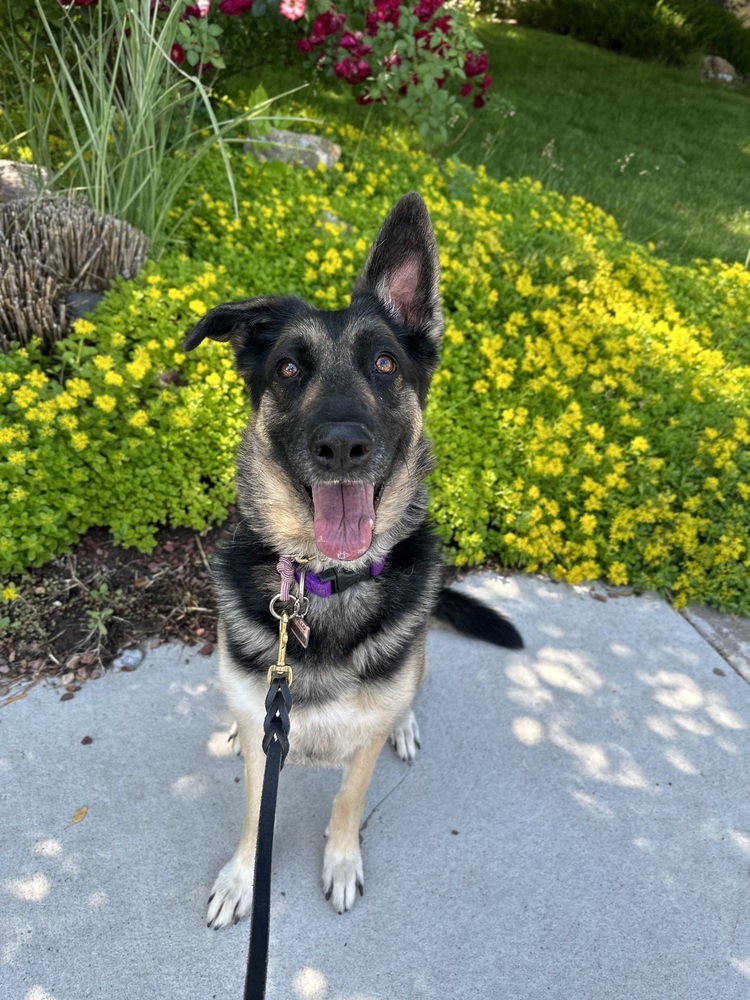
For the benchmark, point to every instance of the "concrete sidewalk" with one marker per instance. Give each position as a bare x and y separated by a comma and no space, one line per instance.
576,826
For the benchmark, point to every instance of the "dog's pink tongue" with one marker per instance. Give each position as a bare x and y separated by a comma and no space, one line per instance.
344,516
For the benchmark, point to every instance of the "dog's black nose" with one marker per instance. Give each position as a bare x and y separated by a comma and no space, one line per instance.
341,447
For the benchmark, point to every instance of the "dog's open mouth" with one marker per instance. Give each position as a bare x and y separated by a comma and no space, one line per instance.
344,516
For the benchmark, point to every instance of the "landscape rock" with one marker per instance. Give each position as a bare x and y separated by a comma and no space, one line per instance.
334,220
21,180
301,149
128,659
716,68
740,9
80,304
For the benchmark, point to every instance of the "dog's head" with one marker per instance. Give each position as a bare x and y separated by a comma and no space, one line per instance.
338,395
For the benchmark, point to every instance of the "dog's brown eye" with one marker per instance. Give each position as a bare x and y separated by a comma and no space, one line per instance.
288,369
385,364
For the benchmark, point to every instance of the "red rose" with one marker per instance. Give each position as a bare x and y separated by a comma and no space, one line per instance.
475,63
233,7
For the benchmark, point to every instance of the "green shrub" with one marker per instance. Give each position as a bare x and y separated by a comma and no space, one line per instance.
669,30
591,417
105,432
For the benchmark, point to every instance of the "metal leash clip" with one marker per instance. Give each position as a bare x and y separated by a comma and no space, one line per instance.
281,669
296,616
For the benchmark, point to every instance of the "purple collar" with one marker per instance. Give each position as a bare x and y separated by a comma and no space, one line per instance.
334,581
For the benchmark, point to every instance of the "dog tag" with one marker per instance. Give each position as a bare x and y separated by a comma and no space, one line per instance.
300,630
297,625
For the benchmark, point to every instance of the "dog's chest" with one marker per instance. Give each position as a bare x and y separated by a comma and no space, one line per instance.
326,730
355,678
330,734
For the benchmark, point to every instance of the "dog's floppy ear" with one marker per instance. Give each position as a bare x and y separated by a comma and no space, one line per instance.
236,321
403,269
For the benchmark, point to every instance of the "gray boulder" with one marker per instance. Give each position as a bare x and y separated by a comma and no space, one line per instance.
21,180
299,148
716,68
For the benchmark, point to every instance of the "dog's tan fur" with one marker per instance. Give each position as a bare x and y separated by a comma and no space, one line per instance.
349,732
331,472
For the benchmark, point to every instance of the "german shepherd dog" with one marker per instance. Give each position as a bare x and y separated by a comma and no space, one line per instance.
331,472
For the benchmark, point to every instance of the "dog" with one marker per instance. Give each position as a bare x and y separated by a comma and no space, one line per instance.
331,473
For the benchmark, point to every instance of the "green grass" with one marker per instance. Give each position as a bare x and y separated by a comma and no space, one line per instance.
662,151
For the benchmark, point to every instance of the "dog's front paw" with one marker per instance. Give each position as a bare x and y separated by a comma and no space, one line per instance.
343,878
234,739
231,896
405,737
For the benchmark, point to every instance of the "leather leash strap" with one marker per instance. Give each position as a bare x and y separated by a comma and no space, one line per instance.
276,747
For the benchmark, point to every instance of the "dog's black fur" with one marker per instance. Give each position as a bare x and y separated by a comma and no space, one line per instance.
332,470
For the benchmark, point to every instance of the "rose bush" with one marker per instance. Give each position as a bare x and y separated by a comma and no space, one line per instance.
416,56
419,57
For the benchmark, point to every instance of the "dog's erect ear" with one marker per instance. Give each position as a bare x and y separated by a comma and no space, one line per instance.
403,269
236,321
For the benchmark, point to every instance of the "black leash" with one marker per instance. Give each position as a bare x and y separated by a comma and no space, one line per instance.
275,747
276,742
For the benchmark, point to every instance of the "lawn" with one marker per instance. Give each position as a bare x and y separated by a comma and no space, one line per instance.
663,151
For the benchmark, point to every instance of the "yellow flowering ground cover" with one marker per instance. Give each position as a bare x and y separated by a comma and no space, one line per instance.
591,416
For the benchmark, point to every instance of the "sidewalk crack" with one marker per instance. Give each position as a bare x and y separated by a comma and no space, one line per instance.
377,805
732,648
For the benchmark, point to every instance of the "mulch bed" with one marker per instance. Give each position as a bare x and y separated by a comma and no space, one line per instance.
75,615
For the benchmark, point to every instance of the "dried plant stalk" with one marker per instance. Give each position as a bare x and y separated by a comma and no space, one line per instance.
52,246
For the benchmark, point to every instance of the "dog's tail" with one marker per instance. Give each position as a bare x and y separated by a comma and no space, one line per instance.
472,618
